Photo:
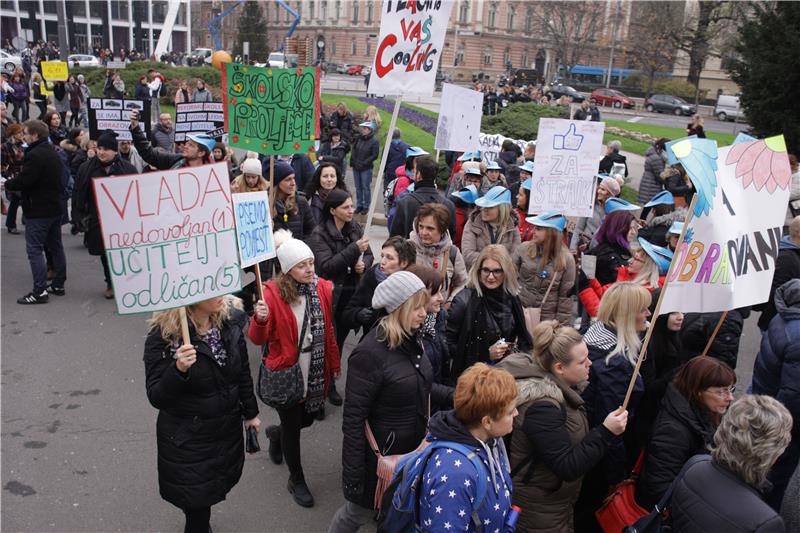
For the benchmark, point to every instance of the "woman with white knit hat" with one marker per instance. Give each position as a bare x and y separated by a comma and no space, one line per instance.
390,387
295,322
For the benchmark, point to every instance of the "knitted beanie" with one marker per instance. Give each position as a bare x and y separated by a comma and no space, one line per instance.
396,290
611,185
291,252
108,140
282,170
251,166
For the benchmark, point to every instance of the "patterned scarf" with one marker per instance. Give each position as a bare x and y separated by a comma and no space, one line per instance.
315,395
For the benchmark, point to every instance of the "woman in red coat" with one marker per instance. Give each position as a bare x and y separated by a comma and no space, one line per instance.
295,321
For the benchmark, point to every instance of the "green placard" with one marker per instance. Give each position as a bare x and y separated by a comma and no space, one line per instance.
271,110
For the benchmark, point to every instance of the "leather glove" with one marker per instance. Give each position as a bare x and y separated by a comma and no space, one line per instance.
583,281
366,316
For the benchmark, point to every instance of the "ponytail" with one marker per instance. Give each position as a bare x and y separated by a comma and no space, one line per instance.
553,342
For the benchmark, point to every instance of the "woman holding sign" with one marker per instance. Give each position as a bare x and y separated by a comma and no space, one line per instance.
203,391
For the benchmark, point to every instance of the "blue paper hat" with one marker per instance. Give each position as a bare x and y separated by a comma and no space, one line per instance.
368,124
527,167
551,219
493,166
468,194
415,151
473,172
527,184
469,156
203,140
618,204
495,196
676,228
660,255
662,198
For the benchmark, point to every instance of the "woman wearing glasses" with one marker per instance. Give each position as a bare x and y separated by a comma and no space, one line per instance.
486,321
690,412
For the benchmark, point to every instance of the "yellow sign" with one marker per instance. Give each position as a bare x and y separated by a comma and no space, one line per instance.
45,90
55,70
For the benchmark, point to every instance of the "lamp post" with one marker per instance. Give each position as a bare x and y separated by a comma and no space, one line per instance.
613,43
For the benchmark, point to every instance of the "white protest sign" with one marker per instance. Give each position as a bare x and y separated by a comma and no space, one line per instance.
253,227
727,259
116,64
490,145
460,117
566,165
169,236
199,117
410,46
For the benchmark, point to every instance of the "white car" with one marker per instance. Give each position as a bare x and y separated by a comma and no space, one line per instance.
83,60
9,62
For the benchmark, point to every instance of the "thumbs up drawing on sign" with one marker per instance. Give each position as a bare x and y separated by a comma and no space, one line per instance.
569,141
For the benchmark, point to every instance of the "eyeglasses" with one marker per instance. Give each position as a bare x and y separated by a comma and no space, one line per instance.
496,272
724,392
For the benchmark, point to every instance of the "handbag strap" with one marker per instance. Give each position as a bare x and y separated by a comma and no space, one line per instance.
664,501
547,293
371,439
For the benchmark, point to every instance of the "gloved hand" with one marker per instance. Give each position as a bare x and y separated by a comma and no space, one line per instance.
366,316
582,281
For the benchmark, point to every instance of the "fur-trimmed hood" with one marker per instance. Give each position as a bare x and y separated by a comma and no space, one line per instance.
534,383
679,215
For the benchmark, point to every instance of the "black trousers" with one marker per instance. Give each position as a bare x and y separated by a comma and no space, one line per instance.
292,421
197,519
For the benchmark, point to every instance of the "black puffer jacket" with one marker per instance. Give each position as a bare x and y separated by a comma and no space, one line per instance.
390,390
361,299
711,499
199,428
609,259
681,431
409,204
301,225
698,327
365,152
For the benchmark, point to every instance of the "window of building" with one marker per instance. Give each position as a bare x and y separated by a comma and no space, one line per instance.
181,18
288,15
368,49
50,7
159,11
333,47
7,4
277,12
323,10
463,12
79,9
727,61
524,59
487,55
529,20
353,47
510,19
311,7
355,13
460,54
370,9
506,56
492,15
338,12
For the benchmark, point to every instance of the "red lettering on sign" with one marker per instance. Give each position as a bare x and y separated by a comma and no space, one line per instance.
381,68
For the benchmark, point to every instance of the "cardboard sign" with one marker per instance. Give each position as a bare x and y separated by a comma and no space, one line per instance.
116,65
54,70
490,144
727,259
410,46
169,236
115,114
200,117
253,227
269,110
566,164
460,117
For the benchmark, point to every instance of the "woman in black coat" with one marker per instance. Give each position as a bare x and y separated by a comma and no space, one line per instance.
327,178
690,413
334,151
389,386
203,391
486,321
613,245
292,211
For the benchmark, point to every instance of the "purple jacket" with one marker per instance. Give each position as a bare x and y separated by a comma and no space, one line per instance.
20,91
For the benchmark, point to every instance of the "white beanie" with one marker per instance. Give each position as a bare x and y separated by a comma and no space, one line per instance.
251,166
395,290
291,252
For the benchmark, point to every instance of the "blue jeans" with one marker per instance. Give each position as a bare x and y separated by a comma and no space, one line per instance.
363,179
41,234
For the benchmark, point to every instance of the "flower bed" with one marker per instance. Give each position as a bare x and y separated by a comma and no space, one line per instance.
421,120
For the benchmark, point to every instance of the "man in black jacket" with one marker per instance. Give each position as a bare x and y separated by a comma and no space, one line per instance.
40,182
424,193
613,156
196,151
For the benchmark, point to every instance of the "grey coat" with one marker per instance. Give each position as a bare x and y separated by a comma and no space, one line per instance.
476,236
559,305
651,184
588,226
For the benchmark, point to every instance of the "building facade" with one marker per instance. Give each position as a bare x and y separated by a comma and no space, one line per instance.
114,24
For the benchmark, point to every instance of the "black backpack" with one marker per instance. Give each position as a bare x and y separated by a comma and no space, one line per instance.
163,90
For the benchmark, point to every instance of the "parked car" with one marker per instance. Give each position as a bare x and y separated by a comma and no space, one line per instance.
728,108
557,91
525,76
9,62
664,103
342,69
354,70
83,60
612,97
366,71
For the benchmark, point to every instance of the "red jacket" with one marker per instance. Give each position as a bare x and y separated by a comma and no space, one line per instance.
461,220
525,227
591,295
280,330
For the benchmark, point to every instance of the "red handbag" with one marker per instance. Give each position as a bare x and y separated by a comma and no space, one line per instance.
620,510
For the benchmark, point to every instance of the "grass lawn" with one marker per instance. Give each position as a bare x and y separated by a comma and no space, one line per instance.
723,139
628,145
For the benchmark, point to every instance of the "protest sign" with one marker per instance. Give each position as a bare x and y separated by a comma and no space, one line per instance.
116,65
169,236
115,114
253,227
727,259
460,117
566,164
490,144
269,110
410,46
200,117
54,70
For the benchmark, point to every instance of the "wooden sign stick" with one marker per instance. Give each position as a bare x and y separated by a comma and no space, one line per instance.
259,284
657,311
714,334
379,178
272,193
184,326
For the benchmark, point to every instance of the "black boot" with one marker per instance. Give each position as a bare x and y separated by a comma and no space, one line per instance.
275,451
299,491
333,395
320,415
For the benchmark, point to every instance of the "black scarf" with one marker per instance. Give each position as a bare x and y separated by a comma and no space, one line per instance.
315,393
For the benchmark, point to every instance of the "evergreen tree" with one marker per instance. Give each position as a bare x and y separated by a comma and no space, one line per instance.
768,70
252,29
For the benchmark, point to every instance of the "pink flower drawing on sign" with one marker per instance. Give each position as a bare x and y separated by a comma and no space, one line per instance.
762,163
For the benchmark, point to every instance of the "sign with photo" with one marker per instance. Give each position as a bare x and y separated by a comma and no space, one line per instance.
115,114
200,117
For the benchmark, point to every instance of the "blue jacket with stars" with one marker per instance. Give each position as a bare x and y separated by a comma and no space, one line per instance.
450,481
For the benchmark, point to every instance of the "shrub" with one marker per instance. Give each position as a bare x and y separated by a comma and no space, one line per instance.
680,88
521,120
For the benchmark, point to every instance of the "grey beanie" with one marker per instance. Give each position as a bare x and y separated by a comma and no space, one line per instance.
395,290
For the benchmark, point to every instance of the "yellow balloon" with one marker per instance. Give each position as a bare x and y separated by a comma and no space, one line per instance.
219,57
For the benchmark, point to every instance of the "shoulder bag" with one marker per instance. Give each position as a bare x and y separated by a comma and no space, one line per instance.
282,389
620,508
533,315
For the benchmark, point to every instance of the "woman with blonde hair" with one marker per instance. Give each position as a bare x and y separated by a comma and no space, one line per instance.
389,389
614,341
723,492
295,322
250,180
371,115
695,127
203,390
547,269
495,222
486,321
552,446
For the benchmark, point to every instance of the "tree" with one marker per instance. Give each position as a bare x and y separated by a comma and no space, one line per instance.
252,29
768,71
650,42
572,27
